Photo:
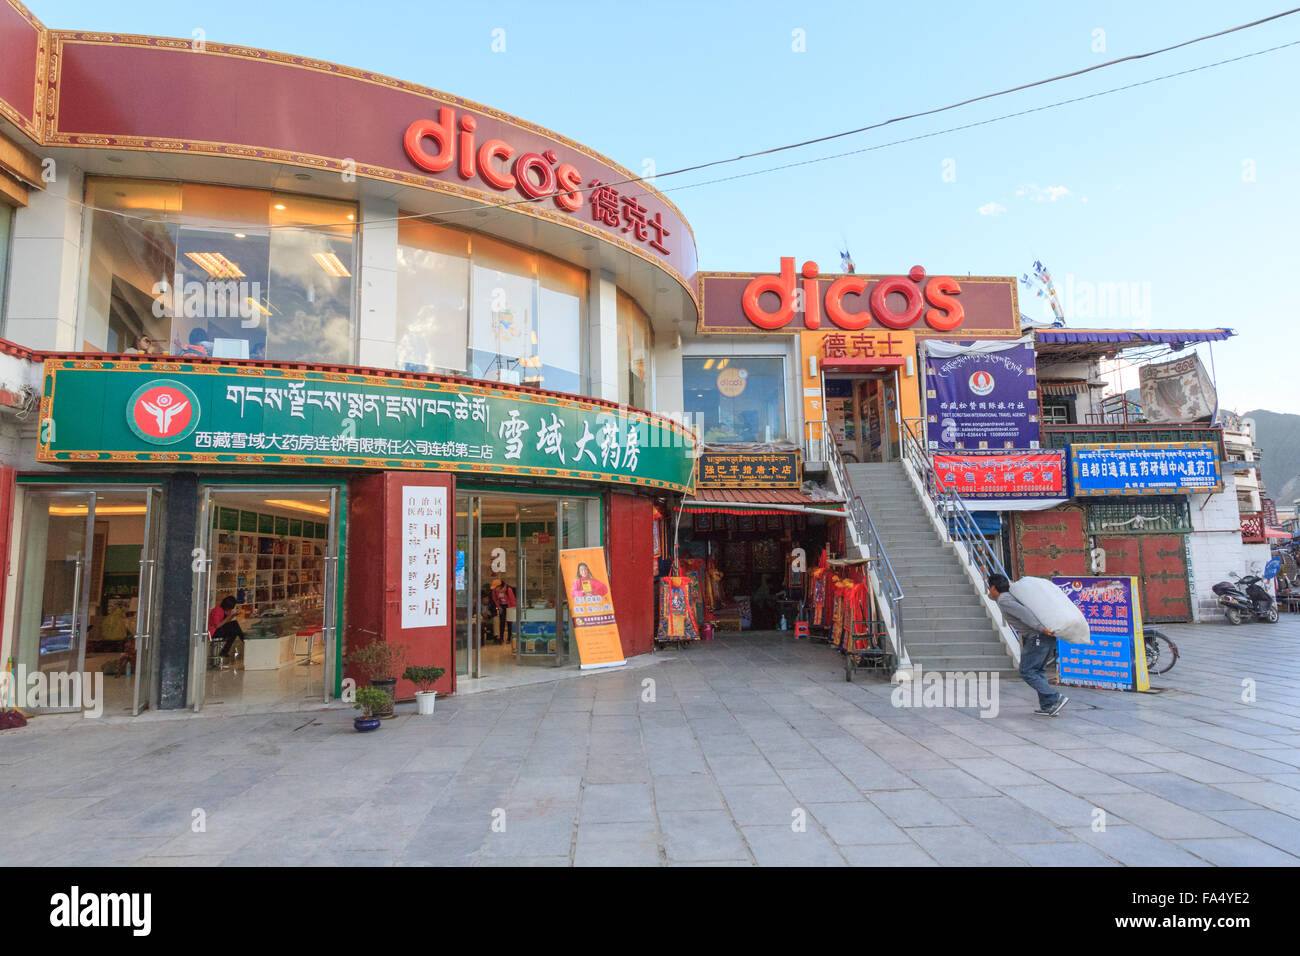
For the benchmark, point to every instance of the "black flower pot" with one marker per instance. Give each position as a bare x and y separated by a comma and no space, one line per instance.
389,686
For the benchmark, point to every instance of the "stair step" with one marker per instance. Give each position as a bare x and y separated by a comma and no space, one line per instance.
963,665
944,618
972,638
927,651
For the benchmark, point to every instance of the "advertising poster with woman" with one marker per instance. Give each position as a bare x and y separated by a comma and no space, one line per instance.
591,606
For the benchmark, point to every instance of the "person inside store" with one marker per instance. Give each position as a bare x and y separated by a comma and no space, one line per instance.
1036,645
200,344
223,625
503,601
763,606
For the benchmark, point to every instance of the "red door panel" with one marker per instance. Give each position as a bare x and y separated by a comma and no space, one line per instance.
1050,543
1159,562
1165,593
1123,555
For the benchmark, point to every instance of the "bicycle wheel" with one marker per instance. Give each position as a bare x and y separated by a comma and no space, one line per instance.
1162,653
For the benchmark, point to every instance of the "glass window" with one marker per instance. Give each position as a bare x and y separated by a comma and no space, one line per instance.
503,313
563,302
6,233
470,305
193,269
736,399
635,343
432,298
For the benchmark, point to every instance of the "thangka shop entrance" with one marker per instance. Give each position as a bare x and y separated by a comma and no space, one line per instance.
749,561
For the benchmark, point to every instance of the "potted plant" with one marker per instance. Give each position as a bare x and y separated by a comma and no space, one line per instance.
381,663
371,701
424,676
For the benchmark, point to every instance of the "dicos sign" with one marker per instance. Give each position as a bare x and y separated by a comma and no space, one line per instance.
932,299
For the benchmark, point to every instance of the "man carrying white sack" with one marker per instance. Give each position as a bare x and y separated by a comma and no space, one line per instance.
1036,645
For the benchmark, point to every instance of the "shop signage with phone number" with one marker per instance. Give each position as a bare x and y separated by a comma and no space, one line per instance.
199,412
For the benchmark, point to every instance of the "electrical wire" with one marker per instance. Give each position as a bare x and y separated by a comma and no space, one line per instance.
480,206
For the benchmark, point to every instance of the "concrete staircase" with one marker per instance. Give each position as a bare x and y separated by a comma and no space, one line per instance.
945,626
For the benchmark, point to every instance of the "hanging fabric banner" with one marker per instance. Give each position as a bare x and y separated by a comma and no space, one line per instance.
677,620
1021,481
981,396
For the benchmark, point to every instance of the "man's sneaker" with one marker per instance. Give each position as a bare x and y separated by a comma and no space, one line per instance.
1043,713
1056,708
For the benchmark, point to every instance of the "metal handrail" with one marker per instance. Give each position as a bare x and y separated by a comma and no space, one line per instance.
890,589
863,529
949,504
815,448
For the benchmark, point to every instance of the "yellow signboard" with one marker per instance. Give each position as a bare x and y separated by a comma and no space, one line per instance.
591,607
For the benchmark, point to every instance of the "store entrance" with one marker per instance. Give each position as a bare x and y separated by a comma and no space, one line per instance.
510,607
264,629
742,561
88,599
859,410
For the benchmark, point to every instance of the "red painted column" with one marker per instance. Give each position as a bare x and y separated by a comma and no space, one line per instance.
630,545
376,575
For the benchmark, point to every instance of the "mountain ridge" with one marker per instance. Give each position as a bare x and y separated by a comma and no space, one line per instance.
1277,435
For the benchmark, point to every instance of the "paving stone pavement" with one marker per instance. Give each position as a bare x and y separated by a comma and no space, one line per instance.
753,750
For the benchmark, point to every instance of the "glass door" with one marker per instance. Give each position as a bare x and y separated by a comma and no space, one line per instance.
330,592
146,618
54,602
571,524
469,605
201,566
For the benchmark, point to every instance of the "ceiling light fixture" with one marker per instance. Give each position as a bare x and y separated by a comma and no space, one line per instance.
332,265
216,265
256,306
82,510
298,506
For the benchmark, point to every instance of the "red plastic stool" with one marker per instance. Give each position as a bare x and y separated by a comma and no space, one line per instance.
800,629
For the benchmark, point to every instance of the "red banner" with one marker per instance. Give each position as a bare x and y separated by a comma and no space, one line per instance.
1039,474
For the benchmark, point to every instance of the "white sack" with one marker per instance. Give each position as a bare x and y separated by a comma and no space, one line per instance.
1057,612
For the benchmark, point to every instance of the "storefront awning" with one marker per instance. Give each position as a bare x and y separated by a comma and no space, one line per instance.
1277,533
1133,337
1071,345
752,501
1064,386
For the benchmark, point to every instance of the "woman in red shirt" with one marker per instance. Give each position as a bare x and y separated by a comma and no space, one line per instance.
223,626
503,598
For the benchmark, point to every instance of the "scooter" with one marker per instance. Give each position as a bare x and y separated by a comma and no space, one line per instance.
1245,599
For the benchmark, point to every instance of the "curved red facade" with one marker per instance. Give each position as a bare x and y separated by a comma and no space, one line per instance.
155,94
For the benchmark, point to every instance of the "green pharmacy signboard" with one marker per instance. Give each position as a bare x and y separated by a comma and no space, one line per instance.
210,413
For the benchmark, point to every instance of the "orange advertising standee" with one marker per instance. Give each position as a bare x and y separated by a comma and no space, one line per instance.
591,606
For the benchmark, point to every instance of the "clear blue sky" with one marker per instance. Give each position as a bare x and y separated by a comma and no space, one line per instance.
1149,186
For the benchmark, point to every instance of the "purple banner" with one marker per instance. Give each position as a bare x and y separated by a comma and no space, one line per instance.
981,400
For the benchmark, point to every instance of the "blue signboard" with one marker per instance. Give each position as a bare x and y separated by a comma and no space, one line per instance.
980,399
1116,659
1145,468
